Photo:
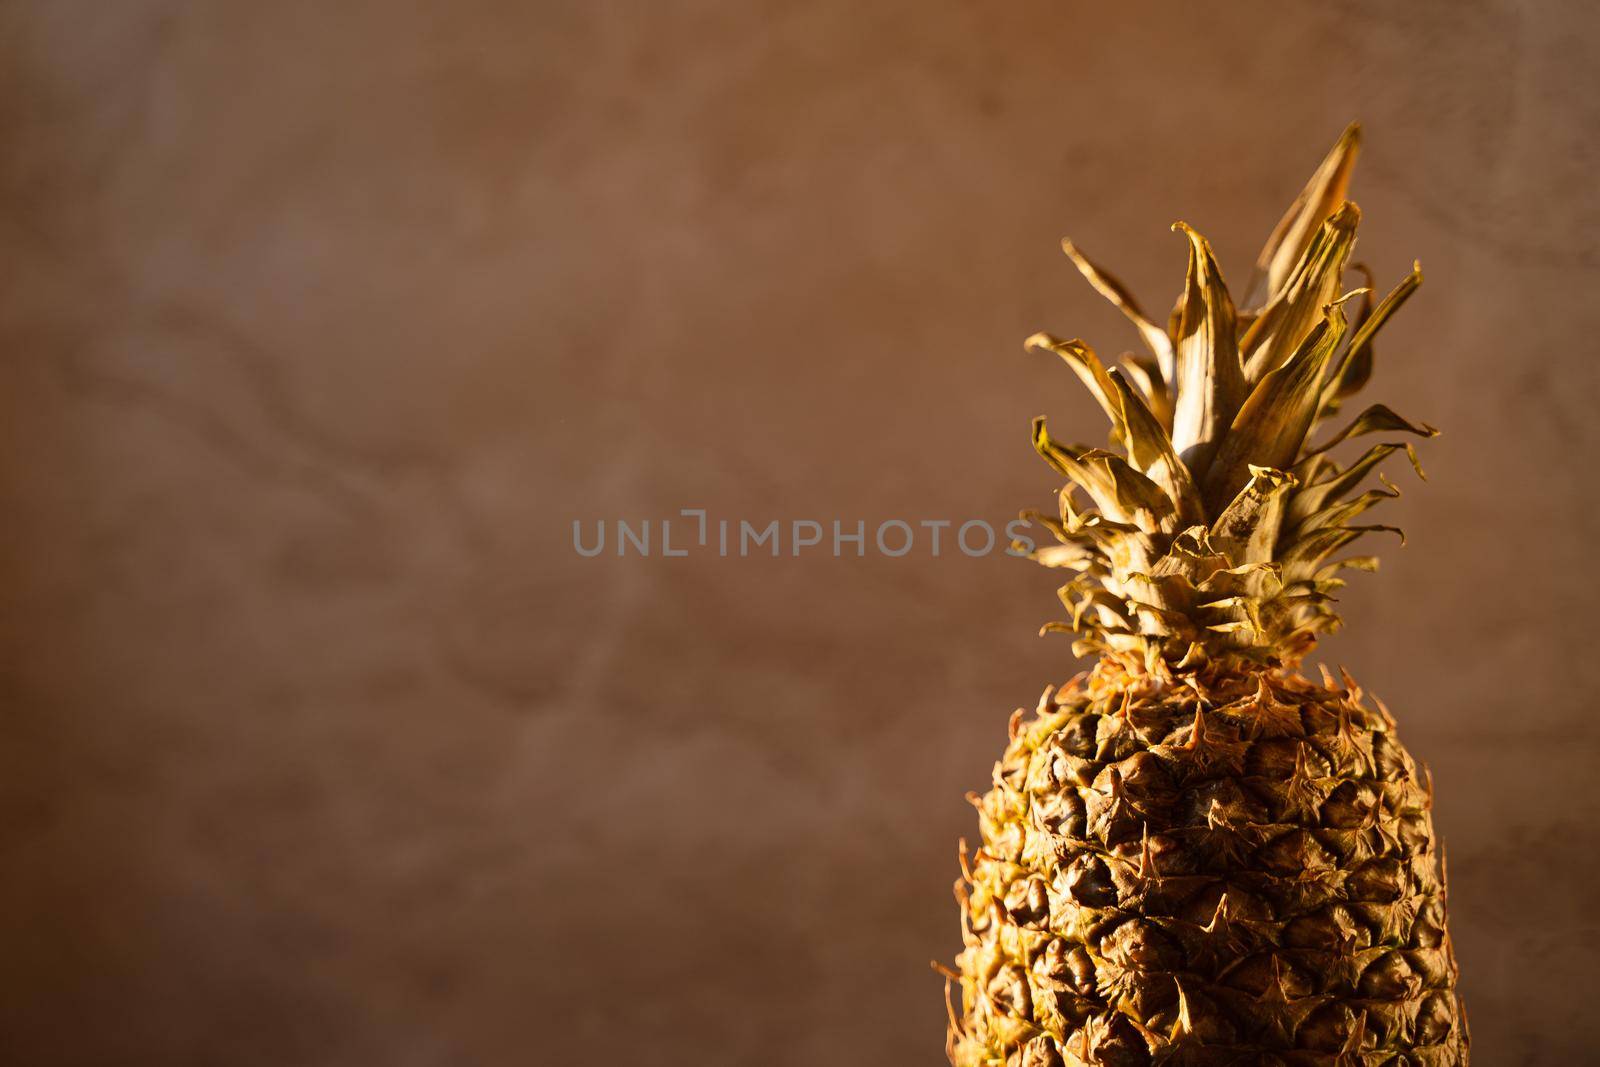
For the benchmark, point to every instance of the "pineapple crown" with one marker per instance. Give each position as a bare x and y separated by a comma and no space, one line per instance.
1206,532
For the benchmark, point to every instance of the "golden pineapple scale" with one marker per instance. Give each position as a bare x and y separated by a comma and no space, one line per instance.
1193,853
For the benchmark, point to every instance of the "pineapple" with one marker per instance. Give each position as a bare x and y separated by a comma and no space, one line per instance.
1192,853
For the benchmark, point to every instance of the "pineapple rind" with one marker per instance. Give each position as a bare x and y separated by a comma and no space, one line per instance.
1241,871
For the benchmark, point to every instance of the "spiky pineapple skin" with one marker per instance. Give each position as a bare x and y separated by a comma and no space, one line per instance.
1234,869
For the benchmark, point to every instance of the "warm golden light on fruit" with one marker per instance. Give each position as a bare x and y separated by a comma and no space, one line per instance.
1193,854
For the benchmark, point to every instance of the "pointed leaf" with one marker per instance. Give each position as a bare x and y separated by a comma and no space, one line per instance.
1301,558
1151,451
1341,513
1137,499
1074,556
1304,552
1081,358
1327,188
1247,530
1356,369
1368,564
1057,528
1308,470
1155,337
1378,418
1130,501
1144,373
1211,382
1109,605
1312,286
1068,461
1272,425
1312,498
1163,592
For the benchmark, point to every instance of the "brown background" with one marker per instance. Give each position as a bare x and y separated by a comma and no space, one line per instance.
322,322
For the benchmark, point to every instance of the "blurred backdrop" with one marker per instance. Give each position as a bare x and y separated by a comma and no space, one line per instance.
322,323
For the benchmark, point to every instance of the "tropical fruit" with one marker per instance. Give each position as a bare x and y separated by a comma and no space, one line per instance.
1192,853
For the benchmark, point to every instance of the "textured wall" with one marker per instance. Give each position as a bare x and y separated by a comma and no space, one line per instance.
322,322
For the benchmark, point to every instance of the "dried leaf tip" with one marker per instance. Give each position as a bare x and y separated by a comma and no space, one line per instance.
1329,185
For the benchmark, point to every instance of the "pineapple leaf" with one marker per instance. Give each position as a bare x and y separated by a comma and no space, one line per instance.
1152,452
1145,374
1138,499
1322,194
1210,521
1211,383
1294,311
1247,530
1369,564
1155,338
1304,553
1356,369
1067,460
1271,426
1379,418
1311,499
1121,493
1342,512
1081,358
